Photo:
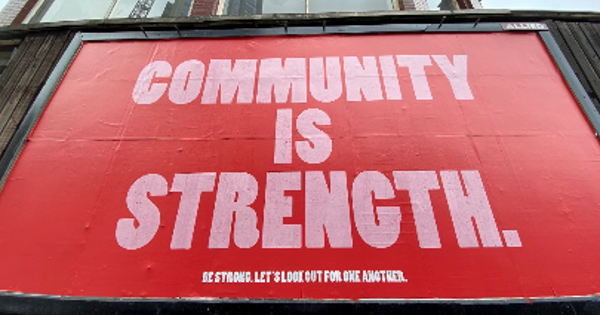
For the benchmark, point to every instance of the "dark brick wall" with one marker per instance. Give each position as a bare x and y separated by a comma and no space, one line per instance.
204,7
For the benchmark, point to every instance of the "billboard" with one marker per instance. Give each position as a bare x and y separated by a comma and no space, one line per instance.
397,166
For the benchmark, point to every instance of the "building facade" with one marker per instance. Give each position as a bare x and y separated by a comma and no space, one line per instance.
33,11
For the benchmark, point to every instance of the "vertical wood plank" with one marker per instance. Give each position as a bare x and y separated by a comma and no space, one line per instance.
567,49
11,84
592,36
22,51
581,59
590,54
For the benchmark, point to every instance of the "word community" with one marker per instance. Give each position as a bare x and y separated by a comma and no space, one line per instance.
273,80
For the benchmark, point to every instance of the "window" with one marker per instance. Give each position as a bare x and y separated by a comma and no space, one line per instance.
72,10
249,7
153,8
561,5
320,6
453,4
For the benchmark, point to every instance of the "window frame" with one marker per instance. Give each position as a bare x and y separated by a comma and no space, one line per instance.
391,6
44,6
225,9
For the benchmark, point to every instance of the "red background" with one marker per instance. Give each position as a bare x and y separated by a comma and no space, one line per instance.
525,133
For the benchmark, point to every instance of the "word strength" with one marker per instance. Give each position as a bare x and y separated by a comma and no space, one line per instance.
309,276
277,80
328,210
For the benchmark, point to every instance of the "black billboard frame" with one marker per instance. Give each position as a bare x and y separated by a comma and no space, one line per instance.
19,303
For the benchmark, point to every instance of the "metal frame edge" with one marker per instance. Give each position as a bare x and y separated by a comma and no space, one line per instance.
294,30
574,84
15,303
43,304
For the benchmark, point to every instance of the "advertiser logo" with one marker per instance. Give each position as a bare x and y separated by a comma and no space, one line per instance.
524,27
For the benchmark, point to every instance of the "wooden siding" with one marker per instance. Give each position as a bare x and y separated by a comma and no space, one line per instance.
580,43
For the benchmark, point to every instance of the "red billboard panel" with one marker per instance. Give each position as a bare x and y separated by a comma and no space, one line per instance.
316,167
